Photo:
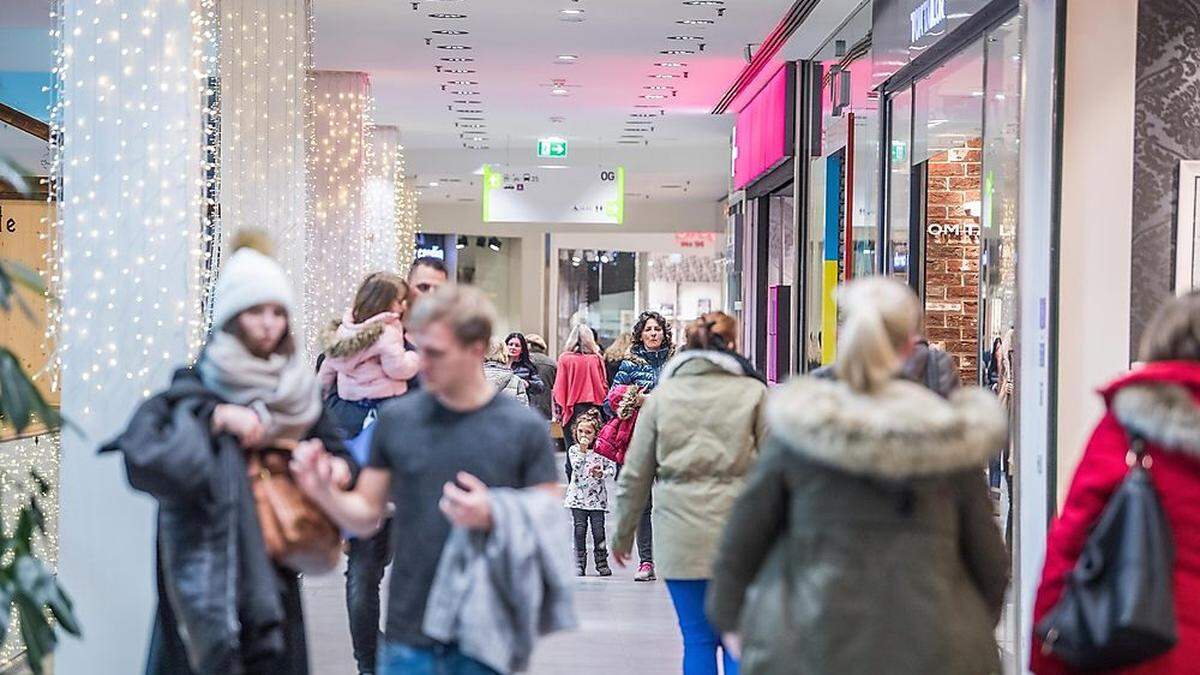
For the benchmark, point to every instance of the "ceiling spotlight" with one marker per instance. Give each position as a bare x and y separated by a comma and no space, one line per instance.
434,183
670,64
567,58
676,52
458,71
628,142
686,38
451,31
704,3
458,59
472,126
465,93
466,111
636,122
559,91
467,83
643,115
659,87
461,243
695,22
653,97
461,102
604,258
442,15
473,133
494,244
557,119
454,47
658,76
481,241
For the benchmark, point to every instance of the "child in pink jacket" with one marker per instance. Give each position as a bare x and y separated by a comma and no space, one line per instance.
366,357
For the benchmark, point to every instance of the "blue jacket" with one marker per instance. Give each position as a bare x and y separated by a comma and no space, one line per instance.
641,368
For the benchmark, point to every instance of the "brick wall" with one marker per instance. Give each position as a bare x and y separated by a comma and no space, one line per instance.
952,254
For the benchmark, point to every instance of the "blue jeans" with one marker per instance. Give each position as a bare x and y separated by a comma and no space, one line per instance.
400,659
700,640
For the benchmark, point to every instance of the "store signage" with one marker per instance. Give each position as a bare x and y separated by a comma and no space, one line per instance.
576,195
761,138
695,240
953,230
927,16
431,252
552,147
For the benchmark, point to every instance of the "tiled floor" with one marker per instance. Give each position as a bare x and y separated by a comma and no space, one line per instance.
626,627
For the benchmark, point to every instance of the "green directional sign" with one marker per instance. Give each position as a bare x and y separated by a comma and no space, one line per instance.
552,147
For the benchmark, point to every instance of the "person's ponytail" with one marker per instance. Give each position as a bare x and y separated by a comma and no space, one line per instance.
880,316
714,330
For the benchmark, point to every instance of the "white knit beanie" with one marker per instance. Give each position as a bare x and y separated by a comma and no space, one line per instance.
250,277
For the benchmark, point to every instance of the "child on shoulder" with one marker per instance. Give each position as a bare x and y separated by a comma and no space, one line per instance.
587,493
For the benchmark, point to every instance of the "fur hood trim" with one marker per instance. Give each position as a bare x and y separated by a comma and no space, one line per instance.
343,339
901,431
1162,413
720,360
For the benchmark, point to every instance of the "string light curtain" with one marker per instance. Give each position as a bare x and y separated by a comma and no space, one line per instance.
381,200
129,123
407,218
265,57
337,161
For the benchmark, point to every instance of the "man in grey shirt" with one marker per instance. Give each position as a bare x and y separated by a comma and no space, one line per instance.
434,454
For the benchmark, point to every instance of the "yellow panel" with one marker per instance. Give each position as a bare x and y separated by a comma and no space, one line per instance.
829,312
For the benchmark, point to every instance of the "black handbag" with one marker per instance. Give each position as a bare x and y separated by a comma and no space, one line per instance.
1118,607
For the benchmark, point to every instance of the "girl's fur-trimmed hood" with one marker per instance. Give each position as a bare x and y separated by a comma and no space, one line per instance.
1163,413
901,431
343,339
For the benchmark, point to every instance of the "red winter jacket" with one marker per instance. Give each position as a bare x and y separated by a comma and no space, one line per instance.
613,440
1161,403
580,379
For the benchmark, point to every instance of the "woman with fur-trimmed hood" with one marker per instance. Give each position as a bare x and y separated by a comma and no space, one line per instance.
864,541
1160,403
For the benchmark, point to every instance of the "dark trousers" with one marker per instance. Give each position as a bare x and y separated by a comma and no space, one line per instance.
364,572
582,519
645,536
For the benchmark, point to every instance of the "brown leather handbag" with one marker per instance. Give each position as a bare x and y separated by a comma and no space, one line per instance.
298,535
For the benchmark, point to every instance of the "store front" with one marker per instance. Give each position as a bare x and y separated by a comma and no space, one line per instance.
948,76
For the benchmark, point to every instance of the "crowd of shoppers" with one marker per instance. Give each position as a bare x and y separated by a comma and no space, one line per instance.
838,524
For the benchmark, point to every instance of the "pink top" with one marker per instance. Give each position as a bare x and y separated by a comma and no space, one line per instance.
368,360
580,379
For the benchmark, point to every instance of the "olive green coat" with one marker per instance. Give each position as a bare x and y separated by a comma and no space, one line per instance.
864,541
698,435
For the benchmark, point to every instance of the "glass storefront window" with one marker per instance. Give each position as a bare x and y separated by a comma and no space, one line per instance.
599,287
898,181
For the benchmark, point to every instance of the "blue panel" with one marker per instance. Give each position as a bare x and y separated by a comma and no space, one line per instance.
833,206
23,90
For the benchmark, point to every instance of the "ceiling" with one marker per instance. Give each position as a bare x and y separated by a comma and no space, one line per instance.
673,140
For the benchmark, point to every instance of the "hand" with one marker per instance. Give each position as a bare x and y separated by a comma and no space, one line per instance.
240,421
621,558
312,468
468,506
341,473
732,642
641,399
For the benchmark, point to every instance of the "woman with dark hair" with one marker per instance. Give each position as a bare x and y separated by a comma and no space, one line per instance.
1157,403
699,433
650,348
522,364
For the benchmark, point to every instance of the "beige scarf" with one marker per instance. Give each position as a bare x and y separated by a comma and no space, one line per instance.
280,388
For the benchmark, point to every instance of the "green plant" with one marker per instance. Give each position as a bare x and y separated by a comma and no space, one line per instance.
27,586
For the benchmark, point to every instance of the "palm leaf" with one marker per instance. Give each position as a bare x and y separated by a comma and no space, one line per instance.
14,274
20,401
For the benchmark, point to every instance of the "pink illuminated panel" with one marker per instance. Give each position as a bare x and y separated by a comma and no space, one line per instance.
761,136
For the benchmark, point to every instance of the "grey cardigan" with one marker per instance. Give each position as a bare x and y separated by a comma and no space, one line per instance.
494,594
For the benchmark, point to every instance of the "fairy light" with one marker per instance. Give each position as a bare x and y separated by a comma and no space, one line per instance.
265,56
407,222
379,200
336,173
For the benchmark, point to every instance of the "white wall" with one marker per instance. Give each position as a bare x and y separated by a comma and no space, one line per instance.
1097,212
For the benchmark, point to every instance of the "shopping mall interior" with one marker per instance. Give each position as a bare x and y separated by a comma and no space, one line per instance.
1029,169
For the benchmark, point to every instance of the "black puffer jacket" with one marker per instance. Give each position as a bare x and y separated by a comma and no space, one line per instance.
235,610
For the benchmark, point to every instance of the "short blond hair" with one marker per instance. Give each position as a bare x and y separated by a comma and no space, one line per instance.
465,309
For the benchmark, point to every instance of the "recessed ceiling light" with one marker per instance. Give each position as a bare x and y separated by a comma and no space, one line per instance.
704,3
557,119
553,166
644,115
567,58
653,97
467,102
433,184
465,93
454,47
671,64
659,87
572,15
633,122
458,59
657,76
676,52
459,71
450,31
470,112
671,187
442,15
695,22
471,125
467,83
686,38
559,91
629,142
648,105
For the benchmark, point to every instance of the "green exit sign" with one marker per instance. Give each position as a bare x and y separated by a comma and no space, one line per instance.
552,147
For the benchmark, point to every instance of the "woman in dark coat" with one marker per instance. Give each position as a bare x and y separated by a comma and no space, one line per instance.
224,605
650,349
522,363
864,540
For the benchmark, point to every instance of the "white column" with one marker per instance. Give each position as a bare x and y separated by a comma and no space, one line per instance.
337,159
130,111
264,61
381,200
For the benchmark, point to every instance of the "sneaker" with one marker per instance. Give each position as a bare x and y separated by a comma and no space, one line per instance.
602,567
645,572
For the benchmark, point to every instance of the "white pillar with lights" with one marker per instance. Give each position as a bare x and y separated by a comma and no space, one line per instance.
130,117
381,205
265,56
337,160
